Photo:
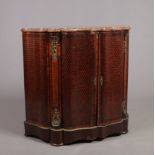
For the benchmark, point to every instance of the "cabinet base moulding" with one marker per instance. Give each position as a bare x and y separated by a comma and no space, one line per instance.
63,136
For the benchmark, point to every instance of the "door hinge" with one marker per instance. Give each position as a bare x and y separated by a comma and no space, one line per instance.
124,106
95,81
126,43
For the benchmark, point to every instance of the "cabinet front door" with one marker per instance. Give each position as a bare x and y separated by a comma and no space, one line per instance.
111,76
79,79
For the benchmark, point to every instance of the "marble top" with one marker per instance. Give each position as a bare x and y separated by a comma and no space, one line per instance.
68,29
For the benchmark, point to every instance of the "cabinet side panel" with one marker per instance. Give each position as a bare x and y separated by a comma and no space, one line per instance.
111,69
36,78
79,89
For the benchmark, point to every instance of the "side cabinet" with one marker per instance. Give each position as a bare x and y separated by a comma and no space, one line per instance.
75,83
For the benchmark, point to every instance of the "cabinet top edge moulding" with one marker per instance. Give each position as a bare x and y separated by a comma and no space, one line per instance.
72,29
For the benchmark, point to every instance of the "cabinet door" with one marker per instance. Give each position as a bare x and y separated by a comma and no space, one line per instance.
111,76
79,71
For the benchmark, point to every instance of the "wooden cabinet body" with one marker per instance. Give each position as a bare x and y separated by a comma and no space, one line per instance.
75,83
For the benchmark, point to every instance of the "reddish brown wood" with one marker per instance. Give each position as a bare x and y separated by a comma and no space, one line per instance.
78,79
126,57
112,49
54,74
65,100
36,79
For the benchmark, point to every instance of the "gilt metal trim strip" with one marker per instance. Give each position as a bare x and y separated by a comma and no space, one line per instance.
75,129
